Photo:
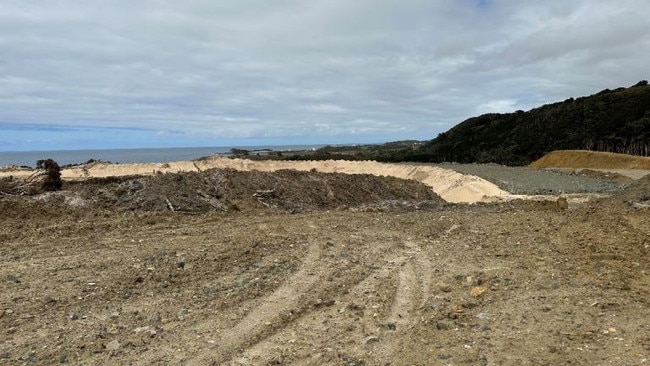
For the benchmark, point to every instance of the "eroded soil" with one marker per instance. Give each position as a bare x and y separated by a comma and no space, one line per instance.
361,283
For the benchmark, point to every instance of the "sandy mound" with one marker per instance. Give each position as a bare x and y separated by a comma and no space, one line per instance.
450,185
591,159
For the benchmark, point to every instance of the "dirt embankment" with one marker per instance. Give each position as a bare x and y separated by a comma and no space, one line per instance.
592,160
450,185
232,190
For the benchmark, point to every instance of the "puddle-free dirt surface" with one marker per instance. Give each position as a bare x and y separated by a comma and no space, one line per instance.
382,280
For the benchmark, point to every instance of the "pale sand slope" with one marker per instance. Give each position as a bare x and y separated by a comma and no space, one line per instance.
451,186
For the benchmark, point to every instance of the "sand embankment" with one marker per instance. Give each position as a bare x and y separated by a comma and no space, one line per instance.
450,185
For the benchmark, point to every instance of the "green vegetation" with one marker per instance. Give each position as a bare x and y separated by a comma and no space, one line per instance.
52,176
357,152
612,121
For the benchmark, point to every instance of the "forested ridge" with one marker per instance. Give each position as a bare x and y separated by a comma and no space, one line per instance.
611,120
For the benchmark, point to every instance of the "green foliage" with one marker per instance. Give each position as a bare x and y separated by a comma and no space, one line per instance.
52,181
239,152
611,120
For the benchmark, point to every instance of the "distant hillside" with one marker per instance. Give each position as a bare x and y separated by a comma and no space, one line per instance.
612,121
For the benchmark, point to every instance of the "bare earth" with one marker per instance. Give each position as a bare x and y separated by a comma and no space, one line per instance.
356,271
452,186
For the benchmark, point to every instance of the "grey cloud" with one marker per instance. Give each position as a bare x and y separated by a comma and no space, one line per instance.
232,69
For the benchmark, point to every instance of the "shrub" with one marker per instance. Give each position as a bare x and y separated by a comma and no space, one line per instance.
52,181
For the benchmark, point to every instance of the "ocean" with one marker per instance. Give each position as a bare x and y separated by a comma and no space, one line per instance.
152,155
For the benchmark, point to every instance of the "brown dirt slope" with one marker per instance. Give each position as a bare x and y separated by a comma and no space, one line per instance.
591,159
229,189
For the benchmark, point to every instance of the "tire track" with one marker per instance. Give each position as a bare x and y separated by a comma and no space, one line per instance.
297,335
250,329
408,268
414,281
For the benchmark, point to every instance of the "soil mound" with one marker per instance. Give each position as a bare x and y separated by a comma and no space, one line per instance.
229,189
591,159
636,196
450,185
605,175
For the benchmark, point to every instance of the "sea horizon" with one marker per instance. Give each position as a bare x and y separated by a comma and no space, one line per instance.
131,155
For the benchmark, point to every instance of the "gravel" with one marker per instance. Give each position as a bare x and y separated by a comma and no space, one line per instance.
534,181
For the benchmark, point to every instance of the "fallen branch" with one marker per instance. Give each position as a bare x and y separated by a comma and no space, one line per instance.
169,204
264,193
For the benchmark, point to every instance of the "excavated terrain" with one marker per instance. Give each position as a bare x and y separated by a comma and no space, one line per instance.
248,268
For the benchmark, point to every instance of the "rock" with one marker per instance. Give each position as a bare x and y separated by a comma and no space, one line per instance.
148,330
477,291
155,318
73,316
320,302
97,348
371,339
431,306
469,304
483,316
444,288
639,205
182,314
12,278
443,325
113,345
30,357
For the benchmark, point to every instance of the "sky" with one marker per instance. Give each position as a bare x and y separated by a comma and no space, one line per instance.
169,73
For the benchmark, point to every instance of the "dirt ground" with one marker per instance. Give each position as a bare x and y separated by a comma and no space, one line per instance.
268,269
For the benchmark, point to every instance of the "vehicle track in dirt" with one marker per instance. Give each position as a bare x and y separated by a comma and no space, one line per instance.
509,284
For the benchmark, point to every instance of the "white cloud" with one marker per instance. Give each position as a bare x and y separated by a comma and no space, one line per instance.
497,106
231,69
323,108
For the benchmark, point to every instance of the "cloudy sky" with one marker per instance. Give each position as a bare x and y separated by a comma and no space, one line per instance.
162,73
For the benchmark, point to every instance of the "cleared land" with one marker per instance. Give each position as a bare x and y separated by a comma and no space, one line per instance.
591,159
311,268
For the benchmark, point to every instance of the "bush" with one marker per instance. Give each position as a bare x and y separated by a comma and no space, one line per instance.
52,181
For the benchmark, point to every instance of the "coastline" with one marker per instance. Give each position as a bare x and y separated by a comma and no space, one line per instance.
145,155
